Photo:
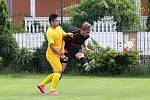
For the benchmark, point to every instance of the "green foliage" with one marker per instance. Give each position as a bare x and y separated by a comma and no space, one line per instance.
109,61
12,57
139,70
4,19
17,28
123,11
23,61
67,27
148,20
8,45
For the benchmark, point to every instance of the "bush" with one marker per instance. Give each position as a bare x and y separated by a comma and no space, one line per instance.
17,28
67,27
148,19
124,13
23,61
139,70
40,62
107,61
8,45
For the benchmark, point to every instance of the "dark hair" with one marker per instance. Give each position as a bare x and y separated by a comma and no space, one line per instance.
52,17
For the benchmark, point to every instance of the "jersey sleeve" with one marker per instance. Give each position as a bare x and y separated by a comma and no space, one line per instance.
50,37
62,31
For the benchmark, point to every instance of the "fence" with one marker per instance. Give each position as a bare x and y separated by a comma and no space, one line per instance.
104,32
31,41
143,21
115,40
143,42
40,24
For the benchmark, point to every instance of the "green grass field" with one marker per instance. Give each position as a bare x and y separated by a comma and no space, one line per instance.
23,87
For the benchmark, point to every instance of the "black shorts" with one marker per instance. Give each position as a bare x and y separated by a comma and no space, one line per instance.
71,52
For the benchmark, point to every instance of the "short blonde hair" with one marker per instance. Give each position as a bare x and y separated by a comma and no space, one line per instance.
133,39
86,26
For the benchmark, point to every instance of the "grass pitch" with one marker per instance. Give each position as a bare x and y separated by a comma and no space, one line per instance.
23,87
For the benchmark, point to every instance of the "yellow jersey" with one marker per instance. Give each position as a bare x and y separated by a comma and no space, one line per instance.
55,36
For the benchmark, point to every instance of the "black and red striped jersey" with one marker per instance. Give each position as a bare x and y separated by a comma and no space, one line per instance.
77,40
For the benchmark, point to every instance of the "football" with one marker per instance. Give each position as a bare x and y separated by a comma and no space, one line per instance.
129,46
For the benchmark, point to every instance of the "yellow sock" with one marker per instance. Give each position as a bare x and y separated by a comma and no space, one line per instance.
47,79
55,81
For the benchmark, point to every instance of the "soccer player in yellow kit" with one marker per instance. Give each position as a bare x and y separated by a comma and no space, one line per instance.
54,52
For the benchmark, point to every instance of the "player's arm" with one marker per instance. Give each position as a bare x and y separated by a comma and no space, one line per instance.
54,49
76,30
85,45
63,47
86,48
66,34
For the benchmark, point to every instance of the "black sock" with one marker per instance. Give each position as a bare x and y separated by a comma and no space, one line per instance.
88,60
60,76
83,61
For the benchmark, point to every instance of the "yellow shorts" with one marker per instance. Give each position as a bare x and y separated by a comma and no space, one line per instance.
54,60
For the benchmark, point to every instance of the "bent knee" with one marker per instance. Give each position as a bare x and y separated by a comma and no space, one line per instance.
79,55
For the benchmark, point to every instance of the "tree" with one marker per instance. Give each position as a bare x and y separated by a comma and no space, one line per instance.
123,12
8,45
148,20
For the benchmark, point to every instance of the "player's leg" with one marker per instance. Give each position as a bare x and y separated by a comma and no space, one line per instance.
80,56
57,67
53,60
63,69
64,60
46,80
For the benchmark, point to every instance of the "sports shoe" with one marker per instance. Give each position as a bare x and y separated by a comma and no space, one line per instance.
41,88
53,92
87,67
